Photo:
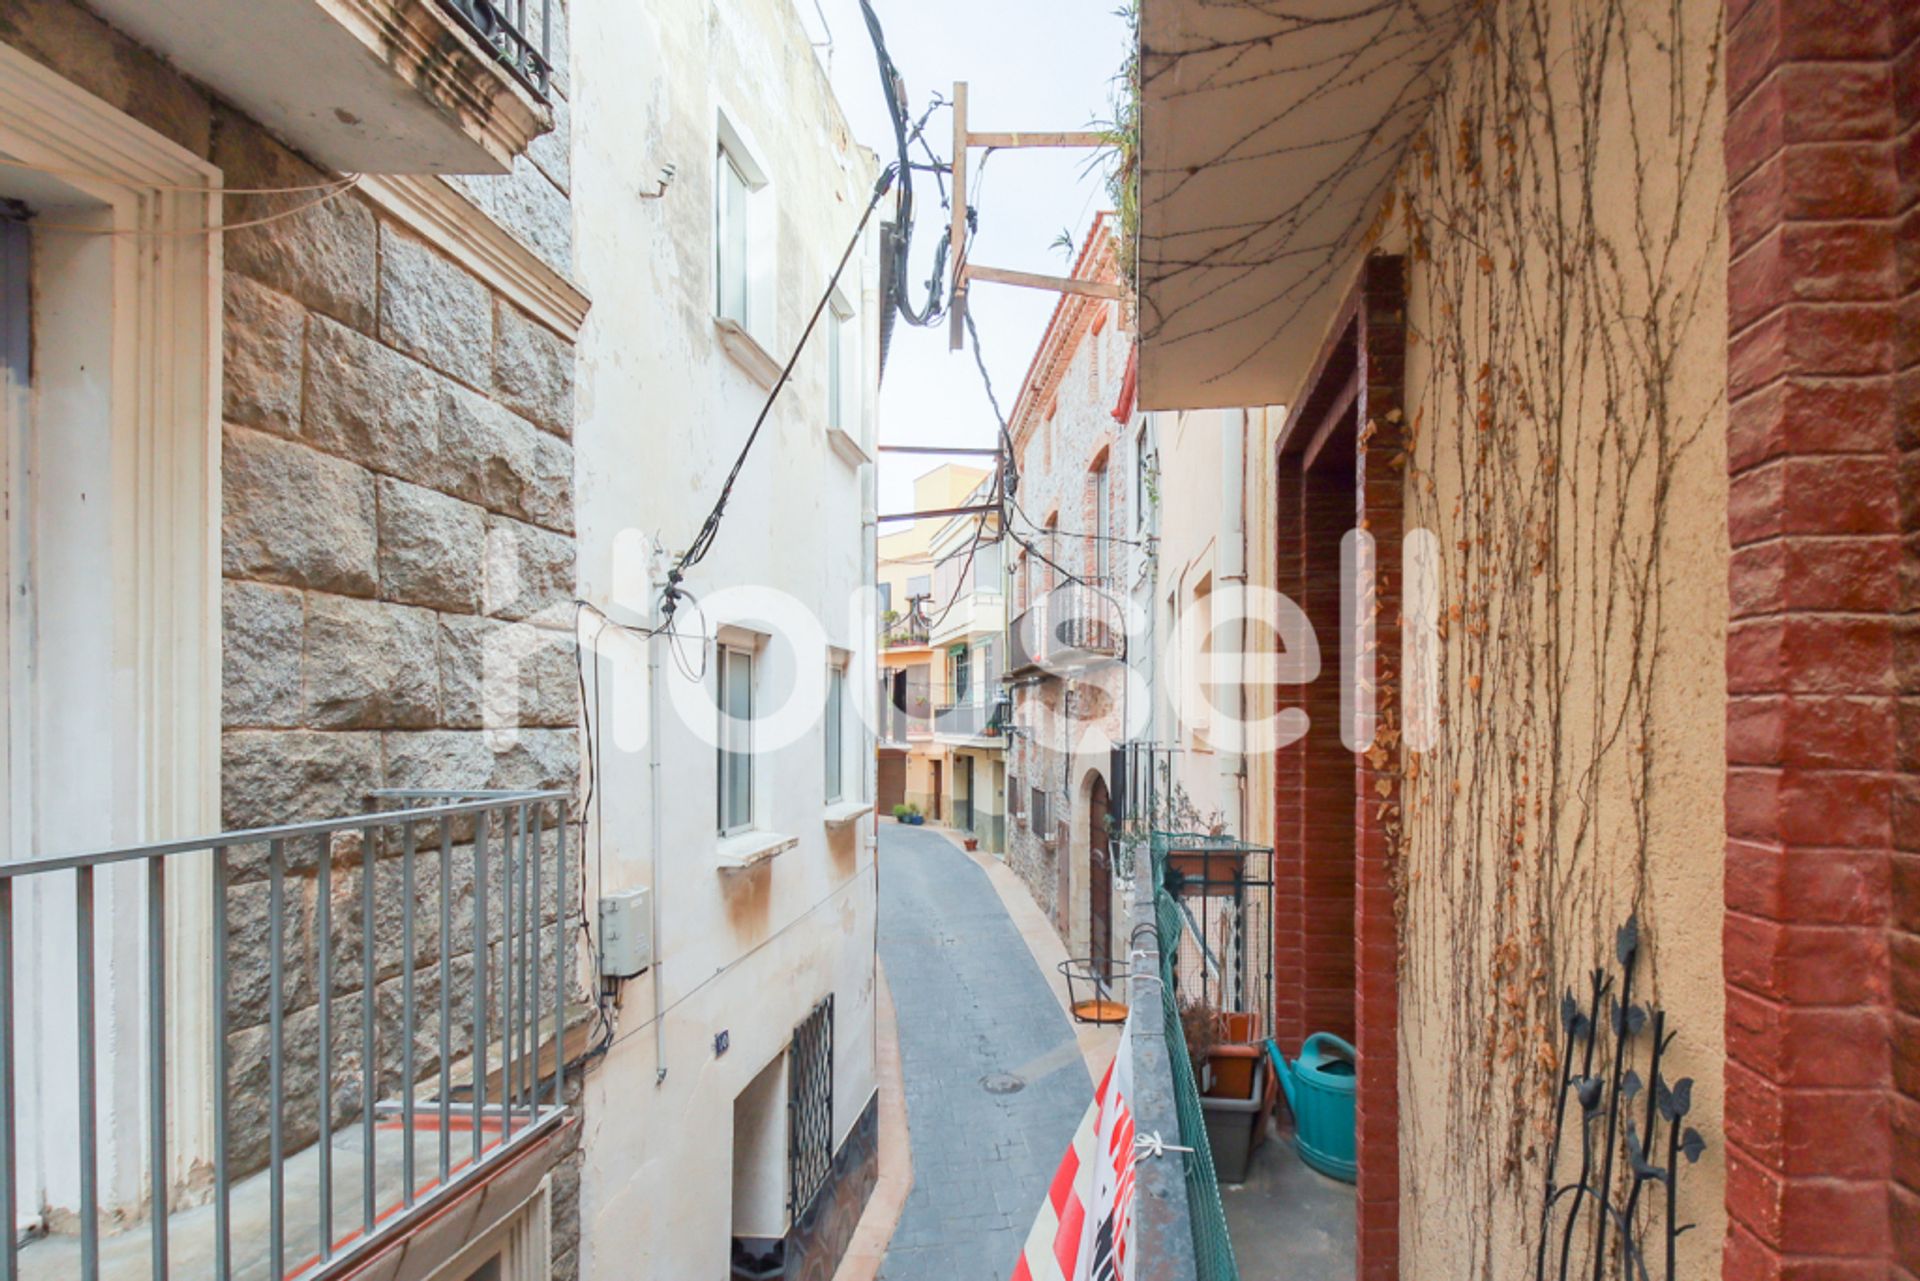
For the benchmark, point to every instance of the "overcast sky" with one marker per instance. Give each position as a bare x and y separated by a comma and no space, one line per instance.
1029,66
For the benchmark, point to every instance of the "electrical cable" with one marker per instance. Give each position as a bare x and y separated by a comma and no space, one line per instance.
710,528
894,88
79,229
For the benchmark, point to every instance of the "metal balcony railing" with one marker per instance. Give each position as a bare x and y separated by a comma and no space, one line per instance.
977,712
520,32
378,1023
1070,627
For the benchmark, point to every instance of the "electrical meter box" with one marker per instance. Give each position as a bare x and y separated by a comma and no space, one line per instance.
626,934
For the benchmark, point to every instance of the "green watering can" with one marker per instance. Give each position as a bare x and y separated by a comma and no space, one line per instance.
1319,1086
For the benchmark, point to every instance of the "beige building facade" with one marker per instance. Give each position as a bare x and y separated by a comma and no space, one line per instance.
1531,336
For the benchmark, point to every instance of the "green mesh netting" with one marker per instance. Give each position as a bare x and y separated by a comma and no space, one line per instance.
1212,1247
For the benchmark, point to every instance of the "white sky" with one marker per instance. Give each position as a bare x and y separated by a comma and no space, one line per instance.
1029,65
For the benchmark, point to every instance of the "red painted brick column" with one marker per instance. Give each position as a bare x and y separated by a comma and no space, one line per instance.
1823,738
1381,508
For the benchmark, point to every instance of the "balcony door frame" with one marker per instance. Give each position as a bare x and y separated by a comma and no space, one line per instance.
144,276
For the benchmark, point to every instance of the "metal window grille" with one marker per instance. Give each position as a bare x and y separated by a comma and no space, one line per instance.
1039,812
810,1108
519,31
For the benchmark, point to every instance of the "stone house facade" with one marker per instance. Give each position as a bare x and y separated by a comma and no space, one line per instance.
395,531
1078,506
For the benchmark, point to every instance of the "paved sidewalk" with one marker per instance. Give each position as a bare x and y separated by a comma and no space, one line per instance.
973,1011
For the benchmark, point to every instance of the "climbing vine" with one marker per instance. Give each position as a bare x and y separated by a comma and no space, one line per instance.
1562,208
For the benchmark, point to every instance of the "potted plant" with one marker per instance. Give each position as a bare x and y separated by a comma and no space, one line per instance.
1233,1088
901,813
914,816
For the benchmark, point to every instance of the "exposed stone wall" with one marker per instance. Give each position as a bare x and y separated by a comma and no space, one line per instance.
398,554
1063,428
399,560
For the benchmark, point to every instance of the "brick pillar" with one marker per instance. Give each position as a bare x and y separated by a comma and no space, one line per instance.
1823,737
1289,784
1380,502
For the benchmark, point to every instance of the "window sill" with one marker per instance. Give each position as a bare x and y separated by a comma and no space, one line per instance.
747,352
845,813
744,850
847,448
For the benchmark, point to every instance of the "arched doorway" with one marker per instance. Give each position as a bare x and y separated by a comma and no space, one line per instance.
1099,878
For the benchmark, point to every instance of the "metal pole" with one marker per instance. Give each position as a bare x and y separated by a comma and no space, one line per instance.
276,1059
156,1064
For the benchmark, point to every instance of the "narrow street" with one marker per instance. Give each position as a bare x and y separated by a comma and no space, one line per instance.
995,1082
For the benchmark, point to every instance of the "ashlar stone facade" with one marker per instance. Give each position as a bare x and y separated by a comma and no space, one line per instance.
398,553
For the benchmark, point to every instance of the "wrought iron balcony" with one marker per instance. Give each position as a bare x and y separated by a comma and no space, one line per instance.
520,31
1074,626
305,1040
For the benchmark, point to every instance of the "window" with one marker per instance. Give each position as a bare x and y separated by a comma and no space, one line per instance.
986,569
735,675
886,599
840,377
731,238
1102,522
836,730
919,587
962,673
1140,478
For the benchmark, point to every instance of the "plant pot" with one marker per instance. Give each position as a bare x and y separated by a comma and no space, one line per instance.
1233,1126
1232,1069
917,820
972,843
1240,1027
901,818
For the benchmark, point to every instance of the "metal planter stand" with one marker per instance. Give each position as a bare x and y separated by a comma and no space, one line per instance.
1096,989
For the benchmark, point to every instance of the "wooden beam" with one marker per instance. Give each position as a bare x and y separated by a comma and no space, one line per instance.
1057,284
957,236
1082,139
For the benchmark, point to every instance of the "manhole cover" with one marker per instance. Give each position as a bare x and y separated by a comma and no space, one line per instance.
1002,1083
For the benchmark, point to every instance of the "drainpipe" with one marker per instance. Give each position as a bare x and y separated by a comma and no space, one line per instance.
655,802
1232,568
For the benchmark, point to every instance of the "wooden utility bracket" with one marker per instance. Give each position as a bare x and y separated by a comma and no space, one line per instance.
963,271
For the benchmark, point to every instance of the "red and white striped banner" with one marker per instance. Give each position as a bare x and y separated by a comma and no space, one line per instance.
1084,1231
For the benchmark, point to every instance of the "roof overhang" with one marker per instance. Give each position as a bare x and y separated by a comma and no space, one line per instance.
1268,141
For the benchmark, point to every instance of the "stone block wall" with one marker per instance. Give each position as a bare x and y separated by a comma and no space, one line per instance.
398,554
398,559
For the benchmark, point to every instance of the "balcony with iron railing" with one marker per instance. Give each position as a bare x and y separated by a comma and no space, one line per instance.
1068,629
374,86
292,1126
973,713
905,716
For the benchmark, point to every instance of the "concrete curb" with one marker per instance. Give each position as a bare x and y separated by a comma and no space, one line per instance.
868,1249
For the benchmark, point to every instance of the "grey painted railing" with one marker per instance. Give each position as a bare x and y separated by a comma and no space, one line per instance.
347,1100
519,31
1163,1222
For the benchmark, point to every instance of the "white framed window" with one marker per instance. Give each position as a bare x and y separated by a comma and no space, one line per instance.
986,569
843,408
835,715
743,235
731,238
734,673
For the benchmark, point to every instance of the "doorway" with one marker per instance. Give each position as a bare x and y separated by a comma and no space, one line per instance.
1099,878
963,792
939,769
